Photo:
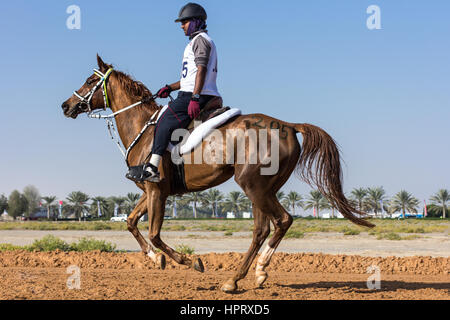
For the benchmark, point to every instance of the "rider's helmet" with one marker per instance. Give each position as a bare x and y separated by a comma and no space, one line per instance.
190,11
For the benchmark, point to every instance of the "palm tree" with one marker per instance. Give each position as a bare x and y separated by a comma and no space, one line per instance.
195,197
316,200
281,199
374,198
212,198
359,195
292,200
49,203
119,201
99,202
77,201
172,202
236,202
440,200
131,201
403,201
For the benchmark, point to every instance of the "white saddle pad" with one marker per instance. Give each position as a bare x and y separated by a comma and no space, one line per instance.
201,131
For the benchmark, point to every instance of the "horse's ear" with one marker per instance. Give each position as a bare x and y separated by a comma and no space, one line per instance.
101,65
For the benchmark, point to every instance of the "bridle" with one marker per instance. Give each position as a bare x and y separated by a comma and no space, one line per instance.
86,101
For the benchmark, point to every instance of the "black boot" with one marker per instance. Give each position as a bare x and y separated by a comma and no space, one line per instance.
146,172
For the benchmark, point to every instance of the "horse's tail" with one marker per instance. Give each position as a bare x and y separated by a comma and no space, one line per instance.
319,165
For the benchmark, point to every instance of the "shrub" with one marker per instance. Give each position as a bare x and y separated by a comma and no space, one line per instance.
9,247
228,233
49,243
183,248
89,244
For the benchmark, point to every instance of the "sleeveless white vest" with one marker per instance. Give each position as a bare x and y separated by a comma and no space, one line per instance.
189,69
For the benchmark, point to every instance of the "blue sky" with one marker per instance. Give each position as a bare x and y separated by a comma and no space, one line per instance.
383,95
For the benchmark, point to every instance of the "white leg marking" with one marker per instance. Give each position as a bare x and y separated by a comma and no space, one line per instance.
264,259
151,253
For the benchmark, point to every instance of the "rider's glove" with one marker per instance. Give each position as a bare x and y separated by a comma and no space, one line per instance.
193,109
164,91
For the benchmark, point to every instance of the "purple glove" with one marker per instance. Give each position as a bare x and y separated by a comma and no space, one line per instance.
193,109
164,92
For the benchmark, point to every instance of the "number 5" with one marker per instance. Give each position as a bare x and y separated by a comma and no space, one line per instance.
185,70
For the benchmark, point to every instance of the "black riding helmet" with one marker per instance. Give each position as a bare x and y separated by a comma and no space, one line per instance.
191,10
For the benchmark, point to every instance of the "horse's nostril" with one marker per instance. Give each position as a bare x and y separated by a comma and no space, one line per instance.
65,107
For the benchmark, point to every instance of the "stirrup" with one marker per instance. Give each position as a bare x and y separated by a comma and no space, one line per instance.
140,174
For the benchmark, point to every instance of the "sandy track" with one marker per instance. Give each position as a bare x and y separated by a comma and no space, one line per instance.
40,275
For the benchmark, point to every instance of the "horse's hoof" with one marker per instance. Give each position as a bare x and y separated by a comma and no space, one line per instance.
229,286
198,265
261,277
161,261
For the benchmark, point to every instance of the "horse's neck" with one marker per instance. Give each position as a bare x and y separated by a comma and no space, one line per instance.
130,122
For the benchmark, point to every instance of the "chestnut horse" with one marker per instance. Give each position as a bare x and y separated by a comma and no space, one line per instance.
318,165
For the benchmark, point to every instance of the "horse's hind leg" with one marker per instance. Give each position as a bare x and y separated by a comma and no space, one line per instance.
132,221
281,221
261,230
155,207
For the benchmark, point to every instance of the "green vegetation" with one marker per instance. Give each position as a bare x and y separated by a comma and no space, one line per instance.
183,248
294,234
52,243
304,225
389,236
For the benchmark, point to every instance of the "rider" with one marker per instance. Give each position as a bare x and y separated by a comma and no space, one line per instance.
197,84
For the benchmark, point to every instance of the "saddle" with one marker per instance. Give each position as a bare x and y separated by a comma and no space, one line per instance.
213,108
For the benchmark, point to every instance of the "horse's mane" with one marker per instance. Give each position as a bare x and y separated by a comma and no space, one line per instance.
136,89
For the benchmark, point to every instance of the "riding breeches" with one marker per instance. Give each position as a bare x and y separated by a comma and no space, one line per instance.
174,117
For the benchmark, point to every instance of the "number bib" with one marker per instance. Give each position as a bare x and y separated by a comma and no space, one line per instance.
189,69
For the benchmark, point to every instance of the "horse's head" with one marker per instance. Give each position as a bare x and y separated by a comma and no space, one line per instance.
92,95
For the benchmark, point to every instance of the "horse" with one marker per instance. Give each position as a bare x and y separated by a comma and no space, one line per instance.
317,162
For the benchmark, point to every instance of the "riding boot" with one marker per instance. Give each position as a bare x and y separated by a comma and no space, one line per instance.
151,173
146,172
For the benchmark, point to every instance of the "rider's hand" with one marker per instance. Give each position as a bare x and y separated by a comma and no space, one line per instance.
164,91
193,109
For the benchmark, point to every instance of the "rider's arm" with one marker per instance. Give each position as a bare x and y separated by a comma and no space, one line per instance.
202,51
175,86
199,79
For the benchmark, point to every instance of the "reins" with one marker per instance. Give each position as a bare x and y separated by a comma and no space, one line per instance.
86,99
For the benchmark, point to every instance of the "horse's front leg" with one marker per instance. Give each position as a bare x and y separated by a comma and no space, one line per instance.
132,221
156,201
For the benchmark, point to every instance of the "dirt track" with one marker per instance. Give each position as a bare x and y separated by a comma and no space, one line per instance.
40,275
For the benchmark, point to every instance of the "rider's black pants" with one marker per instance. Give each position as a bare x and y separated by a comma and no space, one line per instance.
176,116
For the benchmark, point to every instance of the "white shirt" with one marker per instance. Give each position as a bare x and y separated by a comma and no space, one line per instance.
189,69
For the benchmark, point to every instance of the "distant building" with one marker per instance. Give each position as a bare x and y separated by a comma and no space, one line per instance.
246,215
6,217
41,213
